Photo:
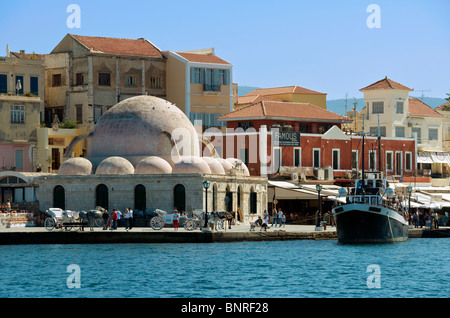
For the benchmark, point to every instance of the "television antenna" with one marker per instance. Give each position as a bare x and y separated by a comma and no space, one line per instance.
423,90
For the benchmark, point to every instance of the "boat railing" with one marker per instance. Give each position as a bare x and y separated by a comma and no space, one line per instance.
374,200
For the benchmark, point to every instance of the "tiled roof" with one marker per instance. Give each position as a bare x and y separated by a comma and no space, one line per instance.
254,99
29,56
202,58
279,109
138,47
445,106
283,90
420,109
386,83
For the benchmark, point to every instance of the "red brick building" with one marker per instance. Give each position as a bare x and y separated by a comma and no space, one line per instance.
310,143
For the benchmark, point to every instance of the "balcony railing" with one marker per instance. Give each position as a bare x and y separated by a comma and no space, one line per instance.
211,87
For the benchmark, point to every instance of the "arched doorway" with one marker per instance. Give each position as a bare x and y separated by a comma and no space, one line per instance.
102,196
179,197
252,202
140,197
229,200
214,198
59,197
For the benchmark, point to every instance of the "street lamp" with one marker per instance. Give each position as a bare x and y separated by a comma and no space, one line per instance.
319,188
409,188
206,186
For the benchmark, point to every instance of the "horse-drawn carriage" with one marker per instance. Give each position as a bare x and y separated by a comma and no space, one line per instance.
216,219
66,219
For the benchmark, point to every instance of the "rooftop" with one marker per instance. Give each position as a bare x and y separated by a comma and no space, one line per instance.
278,109
137,47
420,109
202,58
385,83
283,90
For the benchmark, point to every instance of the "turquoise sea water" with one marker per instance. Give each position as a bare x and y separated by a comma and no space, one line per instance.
291,269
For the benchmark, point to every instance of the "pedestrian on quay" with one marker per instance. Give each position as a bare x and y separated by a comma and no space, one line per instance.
176,216
283,219
327,218
105,217
119,218
128,219
114,219
266,217
274,217
280,217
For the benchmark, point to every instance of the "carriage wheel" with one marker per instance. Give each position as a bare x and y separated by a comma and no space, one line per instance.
98,222
189,225
157,223
49,224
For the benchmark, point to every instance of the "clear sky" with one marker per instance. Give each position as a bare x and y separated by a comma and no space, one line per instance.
322,45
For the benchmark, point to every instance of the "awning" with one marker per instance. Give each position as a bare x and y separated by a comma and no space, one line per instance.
283,190
424,157
433,157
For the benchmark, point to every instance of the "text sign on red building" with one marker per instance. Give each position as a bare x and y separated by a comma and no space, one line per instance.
286,138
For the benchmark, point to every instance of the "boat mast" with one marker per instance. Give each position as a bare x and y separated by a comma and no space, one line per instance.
379,145
363,177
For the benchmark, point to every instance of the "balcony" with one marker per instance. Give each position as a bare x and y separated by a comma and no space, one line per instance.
211,89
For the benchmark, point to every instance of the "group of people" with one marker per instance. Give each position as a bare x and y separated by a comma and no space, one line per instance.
117,218
421,219
278,218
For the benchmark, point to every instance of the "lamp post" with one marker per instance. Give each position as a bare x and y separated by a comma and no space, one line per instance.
409,201
206,186
319,188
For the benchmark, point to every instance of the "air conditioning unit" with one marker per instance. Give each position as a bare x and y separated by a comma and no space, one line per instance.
294,176
319,174
329,172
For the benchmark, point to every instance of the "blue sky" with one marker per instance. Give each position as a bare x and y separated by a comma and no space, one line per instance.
321,45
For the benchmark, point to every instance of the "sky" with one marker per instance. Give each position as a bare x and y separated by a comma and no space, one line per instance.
334,47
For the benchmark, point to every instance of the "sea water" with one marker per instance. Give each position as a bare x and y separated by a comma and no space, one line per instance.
418,268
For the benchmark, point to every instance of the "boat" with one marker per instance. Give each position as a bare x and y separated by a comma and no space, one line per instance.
371,212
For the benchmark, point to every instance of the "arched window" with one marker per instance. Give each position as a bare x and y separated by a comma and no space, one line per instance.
253,197
59,197
179,197
140,197
102,196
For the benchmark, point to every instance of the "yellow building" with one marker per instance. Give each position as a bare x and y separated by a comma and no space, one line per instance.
199,83
294,93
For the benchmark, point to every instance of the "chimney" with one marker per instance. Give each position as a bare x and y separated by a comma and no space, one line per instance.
22,54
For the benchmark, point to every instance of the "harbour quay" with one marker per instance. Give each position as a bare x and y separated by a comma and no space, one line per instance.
238,233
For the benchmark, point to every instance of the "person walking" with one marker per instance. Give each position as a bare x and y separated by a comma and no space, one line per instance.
266,217
105,217
274,217
128,219
114,218
176,216
280,217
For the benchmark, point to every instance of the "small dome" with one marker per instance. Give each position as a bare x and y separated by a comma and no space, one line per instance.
75,166
115,165
153,165
191,164
227,166
244,167
214,165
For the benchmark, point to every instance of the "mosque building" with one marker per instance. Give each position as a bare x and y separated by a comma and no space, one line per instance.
144,153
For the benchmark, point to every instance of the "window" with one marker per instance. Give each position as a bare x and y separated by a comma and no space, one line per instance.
206,120
34,85
336,159
3,84
17,114
130,81
18,159
211,78
79,110
354,159
56,80
316,158
104,79
297,157
195,76
245,124
277,156
19,85
399,131
417,133
408,161
79,79
399,108
155,82
378,108
372,159
432,134
374,131
243,155
389,160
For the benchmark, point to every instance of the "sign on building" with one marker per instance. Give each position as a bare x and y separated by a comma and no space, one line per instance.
286,138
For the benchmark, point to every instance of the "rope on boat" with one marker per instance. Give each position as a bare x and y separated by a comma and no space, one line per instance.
392,235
